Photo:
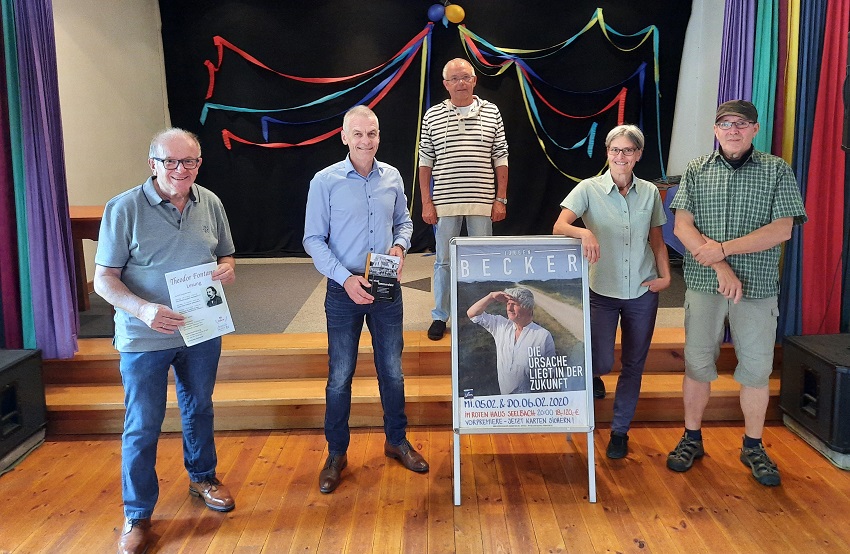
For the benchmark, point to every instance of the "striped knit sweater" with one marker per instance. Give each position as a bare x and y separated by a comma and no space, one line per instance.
462,152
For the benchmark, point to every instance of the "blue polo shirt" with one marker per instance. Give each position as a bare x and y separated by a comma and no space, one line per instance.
148,237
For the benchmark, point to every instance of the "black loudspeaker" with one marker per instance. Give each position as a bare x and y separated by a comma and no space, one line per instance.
22,405
815,392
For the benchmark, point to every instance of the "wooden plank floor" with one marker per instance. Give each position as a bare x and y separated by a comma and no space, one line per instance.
520,493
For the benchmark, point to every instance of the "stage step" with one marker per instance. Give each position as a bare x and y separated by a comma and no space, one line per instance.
299,403
278,382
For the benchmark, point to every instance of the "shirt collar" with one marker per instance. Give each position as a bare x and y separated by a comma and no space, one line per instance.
349,167
474,108
154,198
611,186
749,156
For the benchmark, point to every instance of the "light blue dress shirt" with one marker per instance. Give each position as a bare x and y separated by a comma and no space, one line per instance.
349,216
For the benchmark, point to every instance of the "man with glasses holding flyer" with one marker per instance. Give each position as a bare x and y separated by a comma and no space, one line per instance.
166,224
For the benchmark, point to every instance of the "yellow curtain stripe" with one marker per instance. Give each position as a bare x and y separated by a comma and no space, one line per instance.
791,80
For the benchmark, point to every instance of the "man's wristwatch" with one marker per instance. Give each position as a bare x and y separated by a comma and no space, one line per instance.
403,249
502,200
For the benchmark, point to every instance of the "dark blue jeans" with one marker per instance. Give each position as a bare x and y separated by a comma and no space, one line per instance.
345,323
145,379
637,323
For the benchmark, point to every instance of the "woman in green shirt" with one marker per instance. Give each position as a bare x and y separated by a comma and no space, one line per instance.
622,241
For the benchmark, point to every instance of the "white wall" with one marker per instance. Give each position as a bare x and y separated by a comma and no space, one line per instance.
112,95
699,79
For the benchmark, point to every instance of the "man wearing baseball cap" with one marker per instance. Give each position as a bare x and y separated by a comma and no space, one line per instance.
734,209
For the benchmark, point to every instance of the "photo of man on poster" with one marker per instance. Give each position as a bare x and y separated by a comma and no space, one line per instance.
517,338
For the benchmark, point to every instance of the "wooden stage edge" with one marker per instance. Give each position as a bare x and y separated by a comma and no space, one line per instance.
277,382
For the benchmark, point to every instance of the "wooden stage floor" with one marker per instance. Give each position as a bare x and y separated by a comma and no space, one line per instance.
521,493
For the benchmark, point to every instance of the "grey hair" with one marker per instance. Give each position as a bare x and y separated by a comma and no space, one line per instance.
162,136
360,110
631,132
522,295
446,67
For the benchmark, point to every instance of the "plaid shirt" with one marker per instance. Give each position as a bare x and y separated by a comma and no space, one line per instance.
729,203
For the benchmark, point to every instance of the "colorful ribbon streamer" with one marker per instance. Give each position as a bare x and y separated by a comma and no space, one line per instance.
221,44
508,56
491,60
371,99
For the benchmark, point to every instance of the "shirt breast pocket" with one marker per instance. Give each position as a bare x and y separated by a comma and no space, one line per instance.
640,221
641,218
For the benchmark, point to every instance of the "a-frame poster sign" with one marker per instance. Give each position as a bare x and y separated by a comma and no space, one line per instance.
521,358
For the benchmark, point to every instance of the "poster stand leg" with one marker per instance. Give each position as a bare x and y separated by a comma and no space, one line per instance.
591,469
457,468
591,466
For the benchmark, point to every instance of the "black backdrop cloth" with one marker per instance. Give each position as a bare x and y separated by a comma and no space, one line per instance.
264,190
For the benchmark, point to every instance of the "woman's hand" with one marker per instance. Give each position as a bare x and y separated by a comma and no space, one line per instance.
590,247
656,285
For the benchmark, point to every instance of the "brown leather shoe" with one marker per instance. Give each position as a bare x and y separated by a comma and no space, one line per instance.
407,455
214,493
331,474
135,536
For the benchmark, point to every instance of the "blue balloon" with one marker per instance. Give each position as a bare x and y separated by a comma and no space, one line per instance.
435,12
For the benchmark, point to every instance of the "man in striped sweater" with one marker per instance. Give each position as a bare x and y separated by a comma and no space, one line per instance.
463,148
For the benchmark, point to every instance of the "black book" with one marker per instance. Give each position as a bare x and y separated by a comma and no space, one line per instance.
382,273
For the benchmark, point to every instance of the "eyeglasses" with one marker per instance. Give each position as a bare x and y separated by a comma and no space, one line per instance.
465,79
725,125
625,151
170,163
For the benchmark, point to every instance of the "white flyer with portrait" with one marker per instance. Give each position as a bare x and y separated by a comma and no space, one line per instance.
201,300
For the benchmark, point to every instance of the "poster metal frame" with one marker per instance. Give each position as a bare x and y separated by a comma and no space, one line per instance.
542,243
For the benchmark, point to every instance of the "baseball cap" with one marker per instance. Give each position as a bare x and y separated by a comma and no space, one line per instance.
737,107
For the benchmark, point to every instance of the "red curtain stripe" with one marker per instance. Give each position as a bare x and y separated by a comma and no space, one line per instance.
823,235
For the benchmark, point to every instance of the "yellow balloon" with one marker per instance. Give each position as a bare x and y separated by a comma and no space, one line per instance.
454,13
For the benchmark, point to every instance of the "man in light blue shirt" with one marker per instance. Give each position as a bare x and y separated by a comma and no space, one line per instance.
356,207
